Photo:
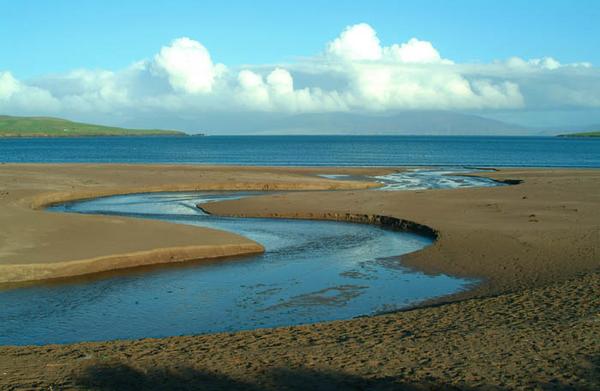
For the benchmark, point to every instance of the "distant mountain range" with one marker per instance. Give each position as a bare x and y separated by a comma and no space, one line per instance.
11,126
409,122
401,123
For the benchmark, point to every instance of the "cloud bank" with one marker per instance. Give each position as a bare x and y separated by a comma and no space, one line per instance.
355,72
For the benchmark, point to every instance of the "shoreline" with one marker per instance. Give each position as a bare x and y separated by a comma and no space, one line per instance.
533,323
41,136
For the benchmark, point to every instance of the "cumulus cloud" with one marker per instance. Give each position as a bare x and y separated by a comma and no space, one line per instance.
546,63
358,42
17,96
8,85
382,87
276,92
183,80
281,82
414,51
410,75
253,91
188,66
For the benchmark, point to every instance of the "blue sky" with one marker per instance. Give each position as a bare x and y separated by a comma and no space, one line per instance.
534,63
54,36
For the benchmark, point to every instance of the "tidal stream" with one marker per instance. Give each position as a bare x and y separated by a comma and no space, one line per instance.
312,271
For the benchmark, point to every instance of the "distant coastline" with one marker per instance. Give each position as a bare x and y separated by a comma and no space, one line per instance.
46,127
582,134
133,134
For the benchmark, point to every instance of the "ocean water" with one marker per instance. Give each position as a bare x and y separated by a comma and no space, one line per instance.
311,150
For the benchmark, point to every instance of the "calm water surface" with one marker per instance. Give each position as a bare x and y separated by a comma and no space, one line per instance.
311,150
311,271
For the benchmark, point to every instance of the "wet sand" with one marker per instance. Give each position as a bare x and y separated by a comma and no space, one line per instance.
534,322
37,244
543,230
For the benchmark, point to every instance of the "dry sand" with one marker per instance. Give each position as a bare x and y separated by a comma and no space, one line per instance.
534,323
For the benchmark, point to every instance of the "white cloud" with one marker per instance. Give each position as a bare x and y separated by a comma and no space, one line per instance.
8,85
414,51
183,81
281,82
188,66
358,42
253,92
382,87
411,75
277,94
545,63
19,97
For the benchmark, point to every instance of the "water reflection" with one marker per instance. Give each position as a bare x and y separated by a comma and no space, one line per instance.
435,178
311,271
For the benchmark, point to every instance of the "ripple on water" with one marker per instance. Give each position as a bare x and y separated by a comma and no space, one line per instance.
312,271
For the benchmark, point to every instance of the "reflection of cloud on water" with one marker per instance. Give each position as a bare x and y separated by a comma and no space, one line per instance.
257,294
390,263
371,269
355,274
337,296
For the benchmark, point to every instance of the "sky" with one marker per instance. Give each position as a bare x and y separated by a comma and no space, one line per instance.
534,63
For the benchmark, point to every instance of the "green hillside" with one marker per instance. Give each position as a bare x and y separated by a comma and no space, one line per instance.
583,134
55,127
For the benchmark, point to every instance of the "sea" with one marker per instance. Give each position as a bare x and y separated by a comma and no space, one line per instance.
469,151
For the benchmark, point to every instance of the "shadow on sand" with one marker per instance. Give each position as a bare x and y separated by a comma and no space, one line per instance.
123,377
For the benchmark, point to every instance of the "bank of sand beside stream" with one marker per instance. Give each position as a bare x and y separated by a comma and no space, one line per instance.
38,244
534,322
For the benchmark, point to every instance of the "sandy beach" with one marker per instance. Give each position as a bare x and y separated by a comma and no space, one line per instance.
532,322
37,244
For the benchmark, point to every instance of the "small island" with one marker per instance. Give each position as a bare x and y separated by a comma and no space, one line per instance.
582,134
12,126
